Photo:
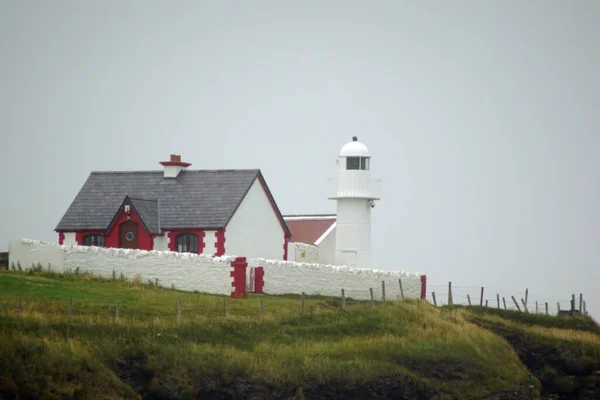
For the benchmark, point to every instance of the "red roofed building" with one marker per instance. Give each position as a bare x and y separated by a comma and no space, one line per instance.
312,238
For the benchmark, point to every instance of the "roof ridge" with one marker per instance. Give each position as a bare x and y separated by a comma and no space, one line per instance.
187,170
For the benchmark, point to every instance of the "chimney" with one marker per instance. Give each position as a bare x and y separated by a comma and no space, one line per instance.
354,138
174,166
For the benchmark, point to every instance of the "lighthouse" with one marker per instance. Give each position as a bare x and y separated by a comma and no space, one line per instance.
355,192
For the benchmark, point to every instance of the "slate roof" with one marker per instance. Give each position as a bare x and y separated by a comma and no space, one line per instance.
204,199
148,212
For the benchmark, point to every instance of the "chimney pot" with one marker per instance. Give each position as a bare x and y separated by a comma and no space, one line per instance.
354,138
175,158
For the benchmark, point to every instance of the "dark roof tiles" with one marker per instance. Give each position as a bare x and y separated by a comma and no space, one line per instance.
195,199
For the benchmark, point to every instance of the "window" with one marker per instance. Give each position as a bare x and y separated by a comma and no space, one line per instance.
364,163
354,163
187,242
93,240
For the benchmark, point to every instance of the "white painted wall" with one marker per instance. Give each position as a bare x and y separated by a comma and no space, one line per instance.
254,230
327,248
210,274
161,243
209,242
303,252
185,271
353,233
70,239
25,253
286,277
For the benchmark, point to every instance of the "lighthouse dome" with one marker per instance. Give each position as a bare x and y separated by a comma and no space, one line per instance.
354,149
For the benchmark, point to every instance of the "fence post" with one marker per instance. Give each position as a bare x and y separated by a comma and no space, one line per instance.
343,299
301,298
573,302
536,306
469,299
546,308
261,307
401,291
584,308
580,302
558,306
423,287
498,299
481,300
450,293
524,305
434,302
117,310
70,307
526,297
372,297
178,310
516,304
504,301
383,291
486,303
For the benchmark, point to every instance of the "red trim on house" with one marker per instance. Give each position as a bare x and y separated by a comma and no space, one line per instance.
170,163
175,159
173,238
220,242
61,238
145,241
286,240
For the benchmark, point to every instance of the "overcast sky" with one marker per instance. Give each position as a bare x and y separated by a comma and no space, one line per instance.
482,118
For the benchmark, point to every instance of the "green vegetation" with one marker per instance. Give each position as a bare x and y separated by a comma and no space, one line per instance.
402,349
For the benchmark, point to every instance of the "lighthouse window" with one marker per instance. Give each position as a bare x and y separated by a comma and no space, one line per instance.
364,163
361,163
352,163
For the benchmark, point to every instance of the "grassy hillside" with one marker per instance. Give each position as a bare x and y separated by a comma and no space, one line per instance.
404,349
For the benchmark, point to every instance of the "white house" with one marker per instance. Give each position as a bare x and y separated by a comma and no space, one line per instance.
200,211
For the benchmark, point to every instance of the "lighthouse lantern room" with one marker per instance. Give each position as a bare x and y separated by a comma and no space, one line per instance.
355,192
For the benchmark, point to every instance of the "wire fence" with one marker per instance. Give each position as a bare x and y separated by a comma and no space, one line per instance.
525,301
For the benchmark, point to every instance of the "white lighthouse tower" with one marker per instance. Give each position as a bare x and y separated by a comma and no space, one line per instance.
355,192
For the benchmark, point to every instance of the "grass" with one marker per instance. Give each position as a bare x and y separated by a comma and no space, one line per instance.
401,348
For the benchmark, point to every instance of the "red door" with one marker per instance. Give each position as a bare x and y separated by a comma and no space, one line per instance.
128,235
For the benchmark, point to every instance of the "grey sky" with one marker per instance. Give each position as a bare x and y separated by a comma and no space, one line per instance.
482,117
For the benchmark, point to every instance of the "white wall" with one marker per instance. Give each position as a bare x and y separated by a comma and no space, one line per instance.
209,242
353,232
286,277
161,243
327,248
185,271
70,239
26,253
209,274
254,229
303,252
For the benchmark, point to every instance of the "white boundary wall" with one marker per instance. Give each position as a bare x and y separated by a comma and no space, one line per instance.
209,274
286,277
185,271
